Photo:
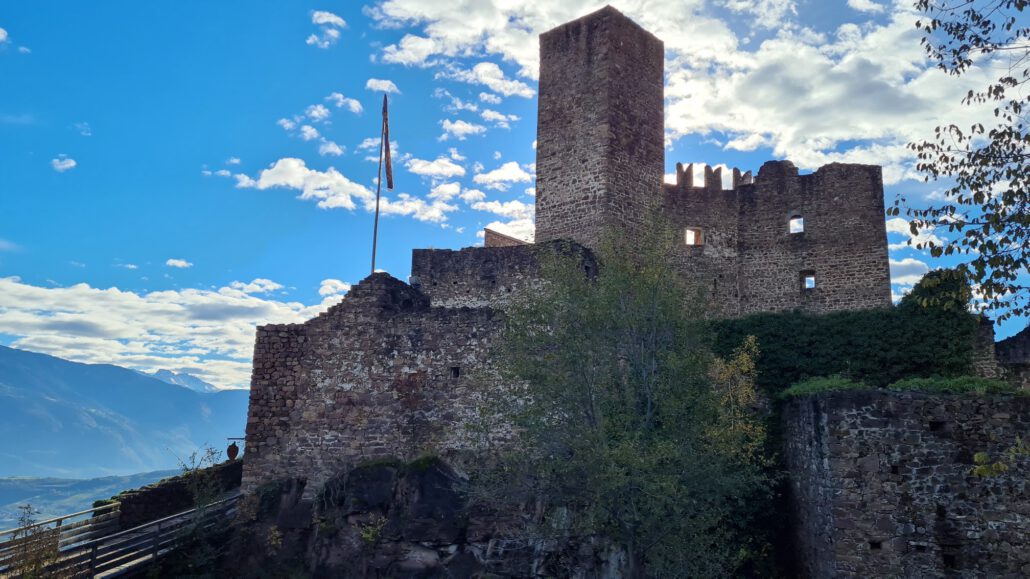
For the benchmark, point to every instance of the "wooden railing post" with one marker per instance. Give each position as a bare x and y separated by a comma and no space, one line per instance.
156,542
93,560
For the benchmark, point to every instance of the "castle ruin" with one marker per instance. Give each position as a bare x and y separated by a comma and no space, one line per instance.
392,371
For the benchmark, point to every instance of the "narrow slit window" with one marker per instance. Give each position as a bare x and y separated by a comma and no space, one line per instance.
796,224
807,280
455,372
694,236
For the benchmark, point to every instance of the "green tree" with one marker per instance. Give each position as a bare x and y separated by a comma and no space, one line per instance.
627,427
986,212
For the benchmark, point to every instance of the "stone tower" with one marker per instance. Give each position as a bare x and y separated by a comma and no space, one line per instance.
600,128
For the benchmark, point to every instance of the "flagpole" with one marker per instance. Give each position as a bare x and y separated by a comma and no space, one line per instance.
379,186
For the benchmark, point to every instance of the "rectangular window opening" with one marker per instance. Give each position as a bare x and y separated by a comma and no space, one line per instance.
455,371
694,236
875,545
797,224
807,280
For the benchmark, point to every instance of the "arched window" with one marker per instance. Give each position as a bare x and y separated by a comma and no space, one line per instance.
796,223
694,236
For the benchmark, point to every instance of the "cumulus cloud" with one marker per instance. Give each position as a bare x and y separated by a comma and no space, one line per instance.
318,113
866,6
502,177
523,229
441,167
232,161
178,263
330,189
4,37
901,226
329,148
515,210
329,26
309,133
63,163
381,85
212,330
343,102
459,129
907,271
83,129
333,287
490,75
489,98
498,119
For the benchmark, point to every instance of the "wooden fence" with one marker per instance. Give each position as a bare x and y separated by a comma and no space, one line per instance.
88,543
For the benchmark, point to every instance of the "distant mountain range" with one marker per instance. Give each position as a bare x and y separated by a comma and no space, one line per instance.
188,380
70,420
54,497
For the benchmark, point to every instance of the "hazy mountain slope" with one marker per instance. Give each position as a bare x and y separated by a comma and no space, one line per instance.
54,496
61,418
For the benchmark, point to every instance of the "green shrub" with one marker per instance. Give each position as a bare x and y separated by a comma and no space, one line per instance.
959,385
824,384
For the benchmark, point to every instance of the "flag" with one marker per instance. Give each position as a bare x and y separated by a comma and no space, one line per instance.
386,146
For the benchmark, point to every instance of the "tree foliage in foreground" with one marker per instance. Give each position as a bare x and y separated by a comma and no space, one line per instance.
986,212
629,429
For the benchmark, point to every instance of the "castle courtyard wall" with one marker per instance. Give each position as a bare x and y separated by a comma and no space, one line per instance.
881,485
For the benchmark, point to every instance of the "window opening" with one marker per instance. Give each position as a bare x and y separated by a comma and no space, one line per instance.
455,371
694,236
796,224
807,280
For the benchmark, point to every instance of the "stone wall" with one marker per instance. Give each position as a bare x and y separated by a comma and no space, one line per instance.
382,374
600,128
1014,357
881,485
173,495
750,261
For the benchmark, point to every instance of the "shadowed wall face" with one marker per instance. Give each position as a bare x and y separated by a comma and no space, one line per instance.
600,156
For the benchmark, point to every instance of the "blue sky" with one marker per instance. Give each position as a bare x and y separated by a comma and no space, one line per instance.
173,173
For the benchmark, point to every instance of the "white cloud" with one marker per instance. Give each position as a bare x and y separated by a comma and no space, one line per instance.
24,50
329,27
412,50
499,119
344,102
523,229
331,190
490,75
3,36
489,98
258,286
442,167
329,148
901,226
502,177
515,210
381,85
232,161
317,113
459,129
8,245
333,287
445,191
178,263
83,129
127,265
62,163
222,173
286,124
866,6
907,271
453,152
212,330
472,195
308,133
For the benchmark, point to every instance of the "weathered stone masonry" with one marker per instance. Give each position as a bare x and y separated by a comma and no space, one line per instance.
882,486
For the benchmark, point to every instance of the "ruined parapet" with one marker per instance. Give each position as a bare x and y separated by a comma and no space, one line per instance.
381,374
600,128
881,485
485,276
1013,355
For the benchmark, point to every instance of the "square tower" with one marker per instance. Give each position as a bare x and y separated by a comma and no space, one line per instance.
600,128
